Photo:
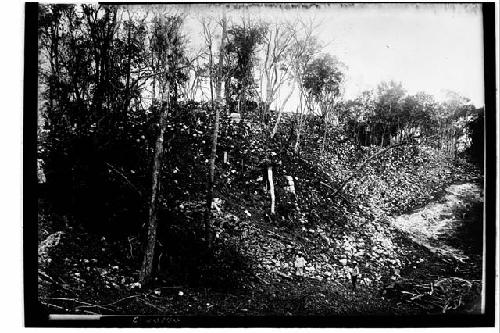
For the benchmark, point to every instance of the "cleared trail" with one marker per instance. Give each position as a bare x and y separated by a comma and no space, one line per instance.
451,226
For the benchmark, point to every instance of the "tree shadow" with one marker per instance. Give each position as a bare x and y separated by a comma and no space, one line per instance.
467,232
183,258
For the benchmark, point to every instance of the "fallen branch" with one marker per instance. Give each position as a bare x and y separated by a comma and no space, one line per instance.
122,299
153,306
54,306
91,312
407,293
453,278
344,199
81,302
129,183
93,306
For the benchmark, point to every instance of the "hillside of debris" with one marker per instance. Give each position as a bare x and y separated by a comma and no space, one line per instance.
251,268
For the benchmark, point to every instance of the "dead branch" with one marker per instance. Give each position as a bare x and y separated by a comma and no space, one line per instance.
129,183
80,302
153,305
92,306
123,299
54,306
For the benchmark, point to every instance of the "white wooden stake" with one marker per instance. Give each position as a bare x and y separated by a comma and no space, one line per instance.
271,188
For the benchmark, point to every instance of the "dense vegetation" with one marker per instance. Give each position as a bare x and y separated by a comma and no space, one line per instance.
169,169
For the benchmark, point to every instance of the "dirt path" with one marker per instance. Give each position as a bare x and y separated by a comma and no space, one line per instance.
450,227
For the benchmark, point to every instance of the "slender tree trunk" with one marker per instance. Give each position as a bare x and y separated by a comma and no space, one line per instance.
227,92
299,127
440,136
213,153
275,128
382,141
243,105
218,82
325,132
147,264
269,95
227,85
454,144
297,142
369,137
211,79
54,61
153,67
323,143
397,132
127,84
210,192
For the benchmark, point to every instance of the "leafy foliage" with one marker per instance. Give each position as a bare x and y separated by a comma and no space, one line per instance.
323,79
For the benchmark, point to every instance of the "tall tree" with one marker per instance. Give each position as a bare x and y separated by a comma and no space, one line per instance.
208,34
85,122
388,110
304,47
274,69
168,47
323,80
213,153
243,40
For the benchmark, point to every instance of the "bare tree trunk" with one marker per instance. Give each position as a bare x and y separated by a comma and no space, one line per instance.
297,143
227,93
147,264
323,143
299,127
127,84
382,141
211,75
440,136
218,83
210,192
269,97
213,153
275,128
243,103
454,144
153,67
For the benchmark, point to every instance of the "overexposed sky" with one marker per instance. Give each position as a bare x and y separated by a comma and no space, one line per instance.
428,47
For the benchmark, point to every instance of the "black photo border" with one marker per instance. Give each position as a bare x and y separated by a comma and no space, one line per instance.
36,316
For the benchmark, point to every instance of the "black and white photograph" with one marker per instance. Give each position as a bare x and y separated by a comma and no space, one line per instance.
259,164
